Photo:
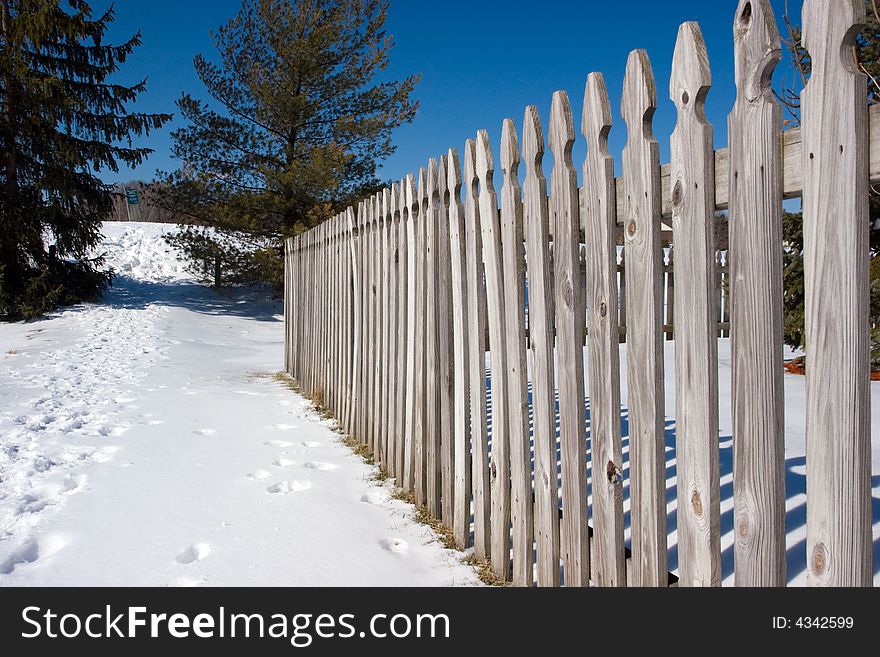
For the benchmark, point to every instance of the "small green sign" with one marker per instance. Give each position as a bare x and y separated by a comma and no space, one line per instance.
133,196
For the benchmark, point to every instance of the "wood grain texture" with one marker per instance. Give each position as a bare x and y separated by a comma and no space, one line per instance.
536,221
495,314
570,321
608,563
433,373
393,346
514,270
447,346
431,427
357,312
644,336
385,320
755,128
411,212
696,328
367,334
402,356
419,362
477,350
461,522
836,282
376,323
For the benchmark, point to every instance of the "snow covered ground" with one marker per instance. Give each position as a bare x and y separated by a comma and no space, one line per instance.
144,442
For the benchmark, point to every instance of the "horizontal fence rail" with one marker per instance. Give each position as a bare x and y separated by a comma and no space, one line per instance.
466,327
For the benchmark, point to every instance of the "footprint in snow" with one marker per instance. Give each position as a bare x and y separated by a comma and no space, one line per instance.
74,483
205,432
278,443
395,545
30,551
311,444
286,487
192,553
377,496
320,465
259,475
285,427
283,463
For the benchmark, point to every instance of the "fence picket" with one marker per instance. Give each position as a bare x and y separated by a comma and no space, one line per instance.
477,350
570,320
409,458
447,346
696,325
755,266
461,521
495,313
644,336
418,360
432,427
836,256
402,264
536,220
519,450
608,559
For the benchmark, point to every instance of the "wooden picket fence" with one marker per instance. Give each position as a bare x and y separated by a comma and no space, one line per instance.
393,306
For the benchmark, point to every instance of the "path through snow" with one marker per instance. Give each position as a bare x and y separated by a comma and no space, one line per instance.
144,442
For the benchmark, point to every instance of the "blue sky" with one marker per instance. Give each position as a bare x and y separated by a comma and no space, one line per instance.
481,62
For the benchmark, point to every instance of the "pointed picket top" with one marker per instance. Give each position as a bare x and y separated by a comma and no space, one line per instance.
639,101
533,142
453,175
409,194
471,181
828,27
432,189
394,203
443,180
597,119
757,49
691,76
386,205
485,164
422,190
509,153
561,135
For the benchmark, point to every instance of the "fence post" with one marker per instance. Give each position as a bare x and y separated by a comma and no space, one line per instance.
644,338
696,323
755,289
570,317
836,254
608,560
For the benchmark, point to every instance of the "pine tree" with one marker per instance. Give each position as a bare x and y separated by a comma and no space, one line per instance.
61,122
294,129
868,56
